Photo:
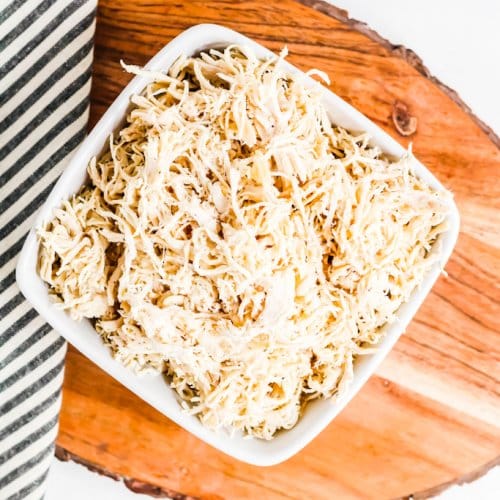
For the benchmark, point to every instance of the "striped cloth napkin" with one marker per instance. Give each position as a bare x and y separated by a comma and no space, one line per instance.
45,70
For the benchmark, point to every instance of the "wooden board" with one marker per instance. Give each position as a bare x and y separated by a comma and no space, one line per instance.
431,416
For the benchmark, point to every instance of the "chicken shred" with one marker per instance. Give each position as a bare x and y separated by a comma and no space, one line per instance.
236,240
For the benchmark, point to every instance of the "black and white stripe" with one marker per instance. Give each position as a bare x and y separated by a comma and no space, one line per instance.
45,70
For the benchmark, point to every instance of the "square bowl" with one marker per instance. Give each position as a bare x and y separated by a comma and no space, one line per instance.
155,390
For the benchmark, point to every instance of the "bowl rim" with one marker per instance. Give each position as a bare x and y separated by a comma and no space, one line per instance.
194,39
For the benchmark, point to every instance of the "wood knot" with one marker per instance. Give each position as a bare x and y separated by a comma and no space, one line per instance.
405,123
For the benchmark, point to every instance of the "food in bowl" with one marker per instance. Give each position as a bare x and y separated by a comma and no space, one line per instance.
236,240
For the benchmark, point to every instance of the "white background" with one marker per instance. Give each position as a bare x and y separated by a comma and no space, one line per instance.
459,41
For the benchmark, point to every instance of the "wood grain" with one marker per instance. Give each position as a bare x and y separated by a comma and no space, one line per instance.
431,416
401,51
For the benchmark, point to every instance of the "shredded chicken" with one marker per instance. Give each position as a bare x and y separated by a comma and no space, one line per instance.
237,241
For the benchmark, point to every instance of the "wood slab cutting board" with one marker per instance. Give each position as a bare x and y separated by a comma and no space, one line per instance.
431,415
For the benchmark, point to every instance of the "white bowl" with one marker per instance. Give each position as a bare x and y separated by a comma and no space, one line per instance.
155,390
